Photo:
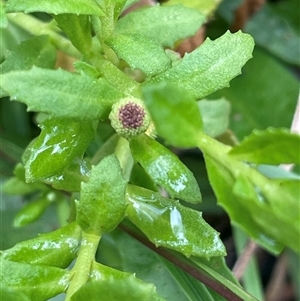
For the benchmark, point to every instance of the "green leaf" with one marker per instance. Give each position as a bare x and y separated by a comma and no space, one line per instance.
10,149
250,107
117,78
33,210
60,142
174,112
71,177
193,289
37,282
84,68
79,7
222,182
212,270
37,51
15,186
57,248
11,36
171,225
140,53
253,201
102,204
115,285
78,30
134,287
107,148
61,93
11,295
18,186
204,6
211,66
285,40
271,146
123,252
275,204
139,177
215,116
165,169
3,18
171,23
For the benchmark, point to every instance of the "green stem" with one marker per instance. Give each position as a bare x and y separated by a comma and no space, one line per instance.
115,76
219,152
37,27
97,26
123,154
82,267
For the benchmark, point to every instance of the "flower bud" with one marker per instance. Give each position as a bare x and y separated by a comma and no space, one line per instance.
129,117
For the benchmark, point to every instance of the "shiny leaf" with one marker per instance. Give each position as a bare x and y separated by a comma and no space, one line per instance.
71,177
82,7
61,93
57,248
117,285
174,113
171,23
140,53
171,225
215,116
37,282
270,146
102,203
211,66
37,51
165,169
60,142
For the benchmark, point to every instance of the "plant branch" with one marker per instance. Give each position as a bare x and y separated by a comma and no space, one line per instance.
82,267
200,275
37,27
244,259
124,156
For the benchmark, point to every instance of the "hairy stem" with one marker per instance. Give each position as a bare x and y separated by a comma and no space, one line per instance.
123,154
82,267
